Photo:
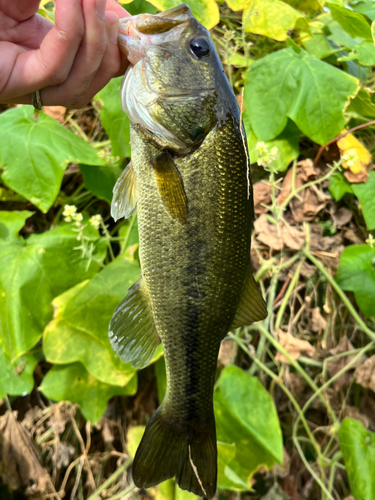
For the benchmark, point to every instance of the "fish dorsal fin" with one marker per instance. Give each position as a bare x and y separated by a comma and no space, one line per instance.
124,201
252,306
171,187
132,330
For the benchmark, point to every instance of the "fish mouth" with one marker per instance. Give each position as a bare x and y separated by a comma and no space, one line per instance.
136,32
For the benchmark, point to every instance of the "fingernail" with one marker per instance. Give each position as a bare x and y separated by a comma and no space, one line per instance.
113,33
100,8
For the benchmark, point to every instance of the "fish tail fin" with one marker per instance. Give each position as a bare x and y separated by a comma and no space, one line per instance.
187,452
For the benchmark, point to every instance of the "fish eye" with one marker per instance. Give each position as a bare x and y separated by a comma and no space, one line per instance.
200,47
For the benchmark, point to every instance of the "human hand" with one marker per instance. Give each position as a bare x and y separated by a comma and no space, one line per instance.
71,60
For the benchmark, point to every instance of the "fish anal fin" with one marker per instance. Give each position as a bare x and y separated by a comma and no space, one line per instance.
124,201
132,332
252,306
171,187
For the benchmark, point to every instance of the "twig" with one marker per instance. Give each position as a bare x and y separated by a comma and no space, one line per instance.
282,291
337,138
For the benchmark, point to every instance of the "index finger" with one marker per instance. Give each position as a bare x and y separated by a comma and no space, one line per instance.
115,7
51,64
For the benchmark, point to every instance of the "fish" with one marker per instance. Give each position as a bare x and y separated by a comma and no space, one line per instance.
188,181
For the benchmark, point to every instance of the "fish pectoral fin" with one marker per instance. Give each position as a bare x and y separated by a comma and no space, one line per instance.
132,331
171,187
252,306
124,201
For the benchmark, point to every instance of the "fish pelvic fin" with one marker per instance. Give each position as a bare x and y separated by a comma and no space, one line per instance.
187,452
252,306
132,331
124,201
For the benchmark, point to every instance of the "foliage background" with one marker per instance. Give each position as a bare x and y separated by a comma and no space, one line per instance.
294,399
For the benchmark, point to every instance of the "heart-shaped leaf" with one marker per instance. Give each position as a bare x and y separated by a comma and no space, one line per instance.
35,151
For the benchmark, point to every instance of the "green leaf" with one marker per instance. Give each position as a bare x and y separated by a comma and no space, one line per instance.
35,151
169,490
287,144
306,6
286,85
365,7
271,18
115,122
364,53
12,222
16,378
317,44
73,383
139,7
206,11
246,417
362,106
339,37
339,186
33,271
79,330
128,233
100,180
358,450
351,22
356,273
365,192
133,438
161,378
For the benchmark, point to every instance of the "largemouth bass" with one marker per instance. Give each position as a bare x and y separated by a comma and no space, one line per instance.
188,180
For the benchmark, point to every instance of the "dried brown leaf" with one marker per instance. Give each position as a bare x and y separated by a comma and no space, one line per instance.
318,322
262,196
20,467
335,365
356,178
342,216
365,374
294,382
225,352
294,346
56,112
289,485
310,201
354,412
278,237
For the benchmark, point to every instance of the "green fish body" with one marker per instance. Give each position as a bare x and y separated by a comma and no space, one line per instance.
188,181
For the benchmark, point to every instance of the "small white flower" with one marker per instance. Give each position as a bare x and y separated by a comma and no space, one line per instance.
274,153
265,157
77,218
350,158
261,147
95,221
69,212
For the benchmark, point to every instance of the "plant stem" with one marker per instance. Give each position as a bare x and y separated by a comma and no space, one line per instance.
111,479
299,411
297,367
288,293
361,324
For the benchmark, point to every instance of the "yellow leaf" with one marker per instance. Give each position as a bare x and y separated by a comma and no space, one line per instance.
358,157
272,18
236,4
206,11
